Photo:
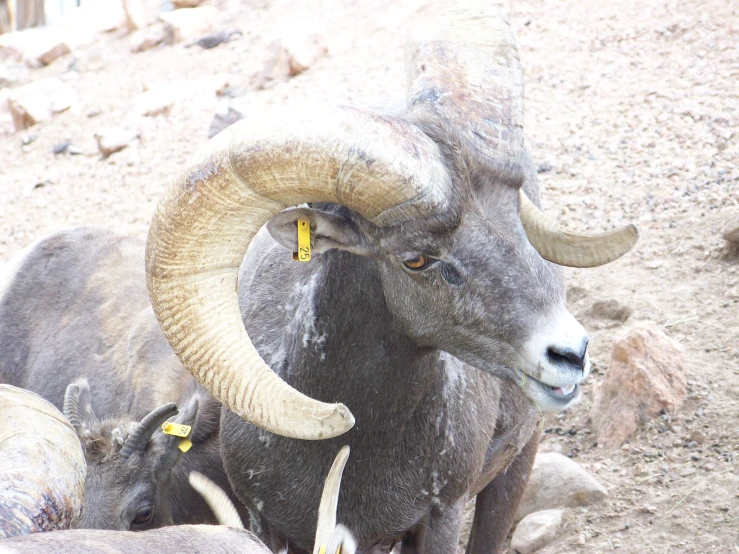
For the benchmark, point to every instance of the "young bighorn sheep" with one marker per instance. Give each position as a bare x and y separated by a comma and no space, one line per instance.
74,311
230,537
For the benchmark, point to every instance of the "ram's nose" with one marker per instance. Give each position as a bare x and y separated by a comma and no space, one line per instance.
557,352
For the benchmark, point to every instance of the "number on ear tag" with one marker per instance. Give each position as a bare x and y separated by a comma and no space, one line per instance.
303,253
176,429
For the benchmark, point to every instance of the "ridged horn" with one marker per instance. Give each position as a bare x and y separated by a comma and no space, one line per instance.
42,466
139,437
464,75
573,249
330,500
71,406
385,169
219,502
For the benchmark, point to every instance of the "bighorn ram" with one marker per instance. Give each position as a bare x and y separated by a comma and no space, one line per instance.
329,539
429,309
42,467
75,305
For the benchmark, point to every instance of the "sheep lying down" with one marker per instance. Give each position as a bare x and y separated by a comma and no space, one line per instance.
228,537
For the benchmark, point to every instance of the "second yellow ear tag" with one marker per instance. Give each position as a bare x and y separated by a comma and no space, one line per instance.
303,253
185,445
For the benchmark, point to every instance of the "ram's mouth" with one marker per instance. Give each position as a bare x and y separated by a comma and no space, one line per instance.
548,397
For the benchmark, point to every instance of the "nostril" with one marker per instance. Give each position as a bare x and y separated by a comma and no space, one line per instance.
567,356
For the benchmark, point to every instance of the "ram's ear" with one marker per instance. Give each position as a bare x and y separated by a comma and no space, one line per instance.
327,231
168,446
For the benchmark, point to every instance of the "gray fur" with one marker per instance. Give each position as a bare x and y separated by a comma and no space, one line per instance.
75,310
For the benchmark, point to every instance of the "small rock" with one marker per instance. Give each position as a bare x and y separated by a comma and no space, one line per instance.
731,231
709,467
647,509
290,56
190,23
581,539
186,3
214,39
114,140
698,437
149,37
558,482
141,13
544,167
36,47
644,379
687,471
653,264
536,531
39,101
61,148
222,119
12,74
610,309
159,99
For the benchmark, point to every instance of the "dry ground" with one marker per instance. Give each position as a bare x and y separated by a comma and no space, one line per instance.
632,112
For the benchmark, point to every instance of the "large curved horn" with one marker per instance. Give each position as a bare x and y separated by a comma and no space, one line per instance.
330,500
573,249
385,169
42,466
218,501
139,437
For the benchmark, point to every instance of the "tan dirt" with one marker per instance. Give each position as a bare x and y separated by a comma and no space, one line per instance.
632,111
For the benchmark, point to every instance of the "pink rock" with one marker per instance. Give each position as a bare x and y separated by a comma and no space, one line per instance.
645,376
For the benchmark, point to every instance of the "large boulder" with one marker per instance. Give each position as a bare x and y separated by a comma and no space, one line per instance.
558,482
645,377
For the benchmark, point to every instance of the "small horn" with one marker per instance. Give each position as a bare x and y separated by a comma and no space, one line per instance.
71,406
330,500
573,249
217,499
139,438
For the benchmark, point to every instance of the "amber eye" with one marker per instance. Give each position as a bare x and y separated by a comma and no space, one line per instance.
418,263
142,516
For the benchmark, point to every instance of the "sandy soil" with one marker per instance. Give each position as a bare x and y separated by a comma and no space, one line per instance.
632,112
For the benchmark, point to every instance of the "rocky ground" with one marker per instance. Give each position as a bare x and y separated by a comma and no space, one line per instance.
632,113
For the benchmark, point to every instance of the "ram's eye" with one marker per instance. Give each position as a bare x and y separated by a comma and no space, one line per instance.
418,263
142,516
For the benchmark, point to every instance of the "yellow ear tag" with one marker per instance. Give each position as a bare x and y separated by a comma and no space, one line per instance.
303,253
322,549
176,429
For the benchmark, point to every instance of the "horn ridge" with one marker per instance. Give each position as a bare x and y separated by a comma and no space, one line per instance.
139,437
70,409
